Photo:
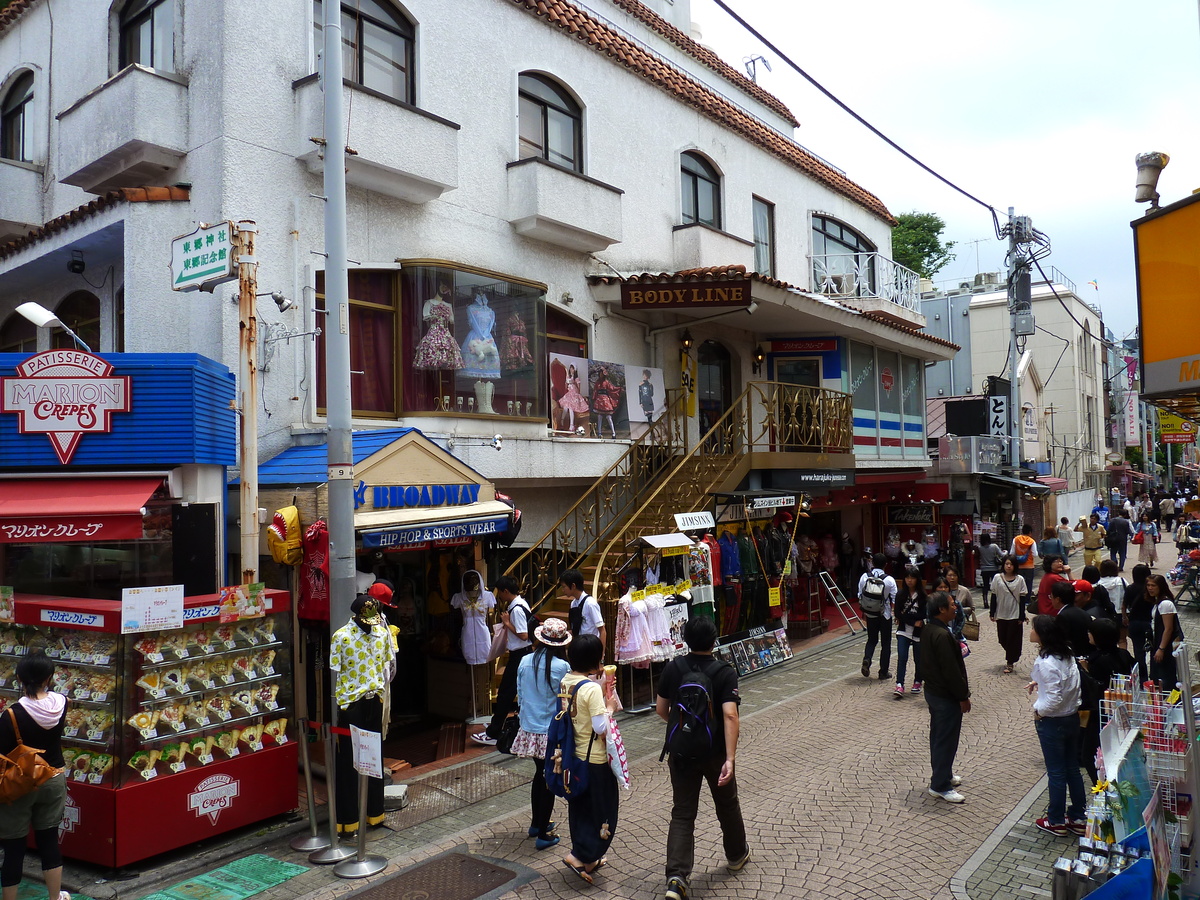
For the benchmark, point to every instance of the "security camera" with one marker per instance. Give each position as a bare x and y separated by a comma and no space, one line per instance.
284,303
76,264
497,442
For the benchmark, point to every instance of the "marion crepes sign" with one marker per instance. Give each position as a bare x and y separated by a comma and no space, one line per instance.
65,394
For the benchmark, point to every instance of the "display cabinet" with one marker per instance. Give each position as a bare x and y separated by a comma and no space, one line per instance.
191,727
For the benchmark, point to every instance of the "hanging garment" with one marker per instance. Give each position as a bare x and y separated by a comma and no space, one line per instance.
747,556
515,354
474,604
437,349
714,556
479,351
313,605
731,565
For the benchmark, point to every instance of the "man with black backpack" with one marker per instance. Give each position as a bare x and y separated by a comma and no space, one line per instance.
698,698
876,596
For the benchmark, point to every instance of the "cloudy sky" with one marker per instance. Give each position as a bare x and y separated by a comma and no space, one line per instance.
1037,105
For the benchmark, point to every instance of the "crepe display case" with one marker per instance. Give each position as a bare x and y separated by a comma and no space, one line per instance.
191,726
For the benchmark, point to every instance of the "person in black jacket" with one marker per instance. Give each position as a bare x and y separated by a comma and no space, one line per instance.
947,694
910,615
39,716
1138,619
1073,620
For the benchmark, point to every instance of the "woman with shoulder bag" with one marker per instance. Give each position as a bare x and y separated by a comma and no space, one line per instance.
1007,610
538,678
1147,538
1166,632
1051,544
39,719
1055,678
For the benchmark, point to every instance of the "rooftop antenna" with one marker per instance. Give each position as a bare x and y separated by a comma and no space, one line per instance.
751,63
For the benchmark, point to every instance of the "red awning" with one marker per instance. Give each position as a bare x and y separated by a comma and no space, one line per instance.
1055,484
40,510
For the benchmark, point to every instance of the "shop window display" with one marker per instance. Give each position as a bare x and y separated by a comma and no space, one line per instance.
473,339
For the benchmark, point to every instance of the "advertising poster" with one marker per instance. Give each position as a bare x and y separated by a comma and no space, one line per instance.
151,608
570,410
241,601
647,398
7,612
610,406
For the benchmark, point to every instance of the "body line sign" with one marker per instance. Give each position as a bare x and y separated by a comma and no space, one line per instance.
402,537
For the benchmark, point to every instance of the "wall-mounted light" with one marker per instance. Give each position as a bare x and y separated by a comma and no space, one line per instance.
759,357
685,340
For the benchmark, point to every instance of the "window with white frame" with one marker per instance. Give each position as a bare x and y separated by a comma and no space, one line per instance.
550,122
378,47
763,214
15,141
701,190
147,34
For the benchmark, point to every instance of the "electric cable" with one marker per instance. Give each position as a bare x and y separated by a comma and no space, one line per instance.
875,131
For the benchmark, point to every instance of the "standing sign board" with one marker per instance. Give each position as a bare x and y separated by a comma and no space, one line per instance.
151,608
367,751
204,258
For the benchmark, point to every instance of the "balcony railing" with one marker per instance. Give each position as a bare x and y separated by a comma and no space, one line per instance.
868,276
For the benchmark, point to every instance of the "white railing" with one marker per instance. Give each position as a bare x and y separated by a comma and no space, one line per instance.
866,275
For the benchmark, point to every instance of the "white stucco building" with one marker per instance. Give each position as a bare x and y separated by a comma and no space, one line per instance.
542,156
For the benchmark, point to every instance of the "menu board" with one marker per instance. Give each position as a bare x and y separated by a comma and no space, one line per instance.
151,608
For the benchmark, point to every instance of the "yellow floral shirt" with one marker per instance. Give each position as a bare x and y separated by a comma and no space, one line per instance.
359,660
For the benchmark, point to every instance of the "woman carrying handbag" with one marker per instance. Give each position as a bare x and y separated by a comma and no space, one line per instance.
36,718
1146,537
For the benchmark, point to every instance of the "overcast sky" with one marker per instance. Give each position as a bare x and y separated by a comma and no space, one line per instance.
1037,105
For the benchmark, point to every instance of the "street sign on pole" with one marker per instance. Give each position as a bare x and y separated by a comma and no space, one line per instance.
204,258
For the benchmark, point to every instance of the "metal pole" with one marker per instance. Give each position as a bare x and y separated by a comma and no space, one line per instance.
248,375
1014,408
313,841
363,865
333,852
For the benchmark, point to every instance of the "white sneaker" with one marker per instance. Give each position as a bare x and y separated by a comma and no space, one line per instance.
950,796
955,780
482,738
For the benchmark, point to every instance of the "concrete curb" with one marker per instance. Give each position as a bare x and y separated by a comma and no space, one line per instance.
958,881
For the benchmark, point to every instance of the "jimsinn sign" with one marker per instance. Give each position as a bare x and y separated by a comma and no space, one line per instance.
65,394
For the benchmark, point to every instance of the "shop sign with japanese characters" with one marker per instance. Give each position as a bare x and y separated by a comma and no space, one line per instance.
205,256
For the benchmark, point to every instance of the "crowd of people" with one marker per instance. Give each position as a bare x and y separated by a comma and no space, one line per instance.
1082,630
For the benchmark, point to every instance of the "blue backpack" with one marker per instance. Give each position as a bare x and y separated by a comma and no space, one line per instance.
566,774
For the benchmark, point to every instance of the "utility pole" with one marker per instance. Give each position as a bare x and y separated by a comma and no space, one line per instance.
1020,312
247,268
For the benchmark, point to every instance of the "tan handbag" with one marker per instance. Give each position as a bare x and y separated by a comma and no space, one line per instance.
23,770
970,629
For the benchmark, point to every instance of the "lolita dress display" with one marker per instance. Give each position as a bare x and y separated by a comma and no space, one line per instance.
437,349
634,645
480,355
515,353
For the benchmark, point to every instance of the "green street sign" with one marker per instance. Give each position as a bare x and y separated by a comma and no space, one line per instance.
203,258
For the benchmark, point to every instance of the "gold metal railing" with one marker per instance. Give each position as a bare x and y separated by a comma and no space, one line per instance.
604,506
767,417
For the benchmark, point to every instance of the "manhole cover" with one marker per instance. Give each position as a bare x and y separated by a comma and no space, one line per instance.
455,876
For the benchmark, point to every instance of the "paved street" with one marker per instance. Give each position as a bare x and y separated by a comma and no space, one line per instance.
833,774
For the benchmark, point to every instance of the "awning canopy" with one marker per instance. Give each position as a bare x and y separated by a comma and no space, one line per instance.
44,510
663,541
1055,484
1006,481
959,508
400,528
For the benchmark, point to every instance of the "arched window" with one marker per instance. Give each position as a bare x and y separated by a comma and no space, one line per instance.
147,30
551,122
701,185
18,335
843,260
14,120
377,47
80,312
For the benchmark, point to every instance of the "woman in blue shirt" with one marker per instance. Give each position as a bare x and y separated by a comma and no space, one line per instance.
539,680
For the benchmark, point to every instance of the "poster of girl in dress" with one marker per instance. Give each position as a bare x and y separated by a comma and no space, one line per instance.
570,410
610,408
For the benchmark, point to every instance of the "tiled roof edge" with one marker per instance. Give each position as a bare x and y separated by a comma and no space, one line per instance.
12,12
582,25
91,208
703,54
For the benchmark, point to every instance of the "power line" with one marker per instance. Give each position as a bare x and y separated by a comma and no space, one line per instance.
875,131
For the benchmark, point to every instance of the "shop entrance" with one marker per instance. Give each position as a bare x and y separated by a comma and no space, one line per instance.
804,371
714,383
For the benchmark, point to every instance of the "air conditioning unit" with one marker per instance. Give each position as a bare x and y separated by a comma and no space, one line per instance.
988,278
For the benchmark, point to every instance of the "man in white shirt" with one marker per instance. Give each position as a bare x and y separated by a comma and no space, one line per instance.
515,620
584,616
877,611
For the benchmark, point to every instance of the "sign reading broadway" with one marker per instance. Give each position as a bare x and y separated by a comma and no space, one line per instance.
65,394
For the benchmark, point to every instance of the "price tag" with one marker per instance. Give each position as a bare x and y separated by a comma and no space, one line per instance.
148,733
79,776
638,595
21,650
10,648
100,697
52,652
95,778
227,679
83,694
229,645
149,773
281,738
157,693
205,758
224,715
95,734
234,752
787,567
208,648
179,726
271,704
70,732
774,597
102,660
178,766
256,745
269,670
155,657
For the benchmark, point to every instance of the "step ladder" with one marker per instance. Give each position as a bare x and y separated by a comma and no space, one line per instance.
843,604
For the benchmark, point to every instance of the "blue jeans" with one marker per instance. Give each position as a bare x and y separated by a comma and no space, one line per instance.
1059,737
902,645
1119,553
945,726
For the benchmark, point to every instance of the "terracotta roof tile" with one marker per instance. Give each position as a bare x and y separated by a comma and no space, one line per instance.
684,42
606,40
738,273
12,12
112,198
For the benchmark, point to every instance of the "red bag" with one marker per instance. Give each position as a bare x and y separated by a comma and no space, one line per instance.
1139,537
